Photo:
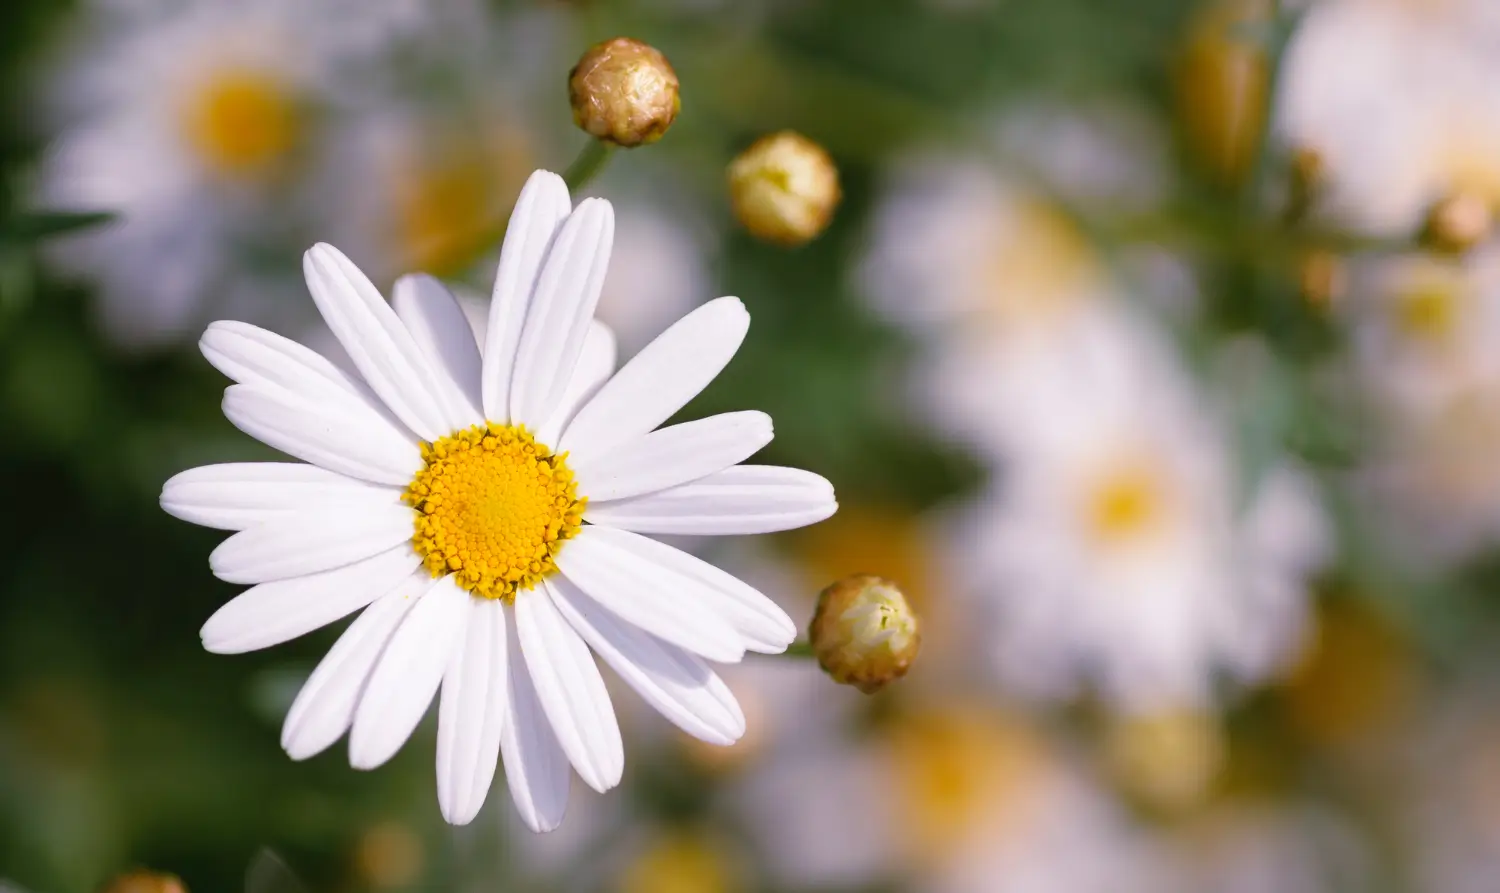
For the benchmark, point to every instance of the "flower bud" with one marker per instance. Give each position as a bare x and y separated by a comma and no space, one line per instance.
1222,81
784,188
145,882
624,92
1458,223
864,633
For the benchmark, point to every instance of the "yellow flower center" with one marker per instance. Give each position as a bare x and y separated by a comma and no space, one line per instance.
1125,503
242,123
1428,311
494,507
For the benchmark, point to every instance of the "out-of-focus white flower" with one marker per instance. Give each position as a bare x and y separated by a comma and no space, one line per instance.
956,242
1454,793
193,124
1116,549
1427,350
1269,848
1395,98
955,799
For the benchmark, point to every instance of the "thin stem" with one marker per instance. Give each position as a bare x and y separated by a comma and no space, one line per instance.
799,648
587,165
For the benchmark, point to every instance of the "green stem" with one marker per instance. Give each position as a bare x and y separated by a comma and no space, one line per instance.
587,165
799,648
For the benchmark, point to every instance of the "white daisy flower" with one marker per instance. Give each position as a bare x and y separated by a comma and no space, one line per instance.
1116,552
1394,98
486,508
215,129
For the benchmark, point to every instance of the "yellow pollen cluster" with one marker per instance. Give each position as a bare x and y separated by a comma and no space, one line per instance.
494,506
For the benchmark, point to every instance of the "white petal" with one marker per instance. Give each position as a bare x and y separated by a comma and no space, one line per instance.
571,691
671,456
594,367
648,595
538,216
317,538
438,325
272,613
536,769
237,495
361,445
251,355
764,626
659,380
408,674
325,705
678,684
380,347
471,713
741,499
560,312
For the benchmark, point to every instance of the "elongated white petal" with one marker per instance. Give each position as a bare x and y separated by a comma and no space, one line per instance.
325,706
272,613
678,684
594,367
251,355
644,593
560,312
408,674
238,495
538,216
764,626
536,769
379,345
672,456
571,691
741,499
438,325
471,713
361,445
659,380
315,539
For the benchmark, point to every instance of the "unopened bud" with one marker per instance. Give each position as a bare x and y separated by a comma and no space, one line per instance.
145,882
1458,223
1222,81
1321,278
1167,760
785,188
864,633
624,92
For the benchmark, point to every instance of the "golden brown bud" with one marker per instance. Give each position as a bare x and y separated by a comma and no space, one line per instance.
784,188
1458,223
864,633
624,92
145,882
1222,80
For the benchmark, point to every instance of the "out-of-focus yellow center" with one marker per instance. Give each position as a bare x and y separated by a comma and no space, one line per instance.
1042,269
447,212
242,123
493,509
1428,311
1125,503
683,863
962,773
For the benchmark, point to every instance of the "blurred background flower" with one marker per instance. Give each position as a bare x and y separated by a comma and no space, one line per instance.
1152,348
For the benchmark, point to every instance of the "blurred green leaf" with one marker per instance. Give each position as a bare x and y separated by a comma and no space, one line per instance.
36,226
